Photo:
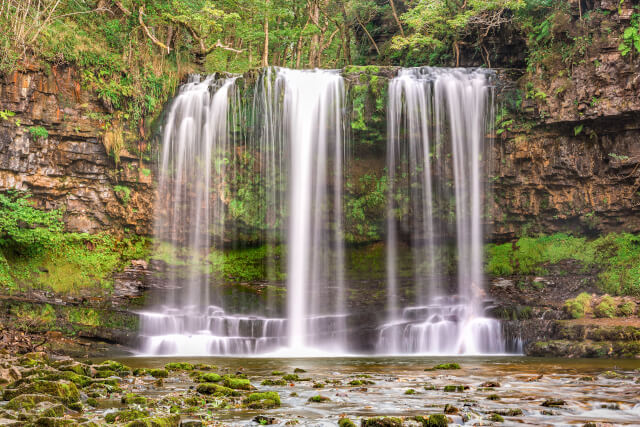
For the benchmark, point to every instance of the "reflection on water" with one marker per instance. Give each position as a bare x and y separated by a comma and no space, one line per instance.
525,383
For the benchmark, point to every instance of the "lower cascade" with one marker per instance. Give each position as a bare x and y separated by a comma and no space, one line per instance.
286,137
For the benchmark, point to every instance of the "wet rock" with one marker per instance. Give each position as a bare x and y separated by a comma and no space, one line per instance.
191,423
125,416
551,403
381,422
345,422
269,382
29,401
450,409
215,389
319,399
490,384
496,418
54,422
264,420
264,400
66,391
170,421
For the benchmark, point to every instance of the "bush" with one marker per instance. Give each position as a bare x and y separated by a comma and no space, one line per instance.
606,307
626,309
578,306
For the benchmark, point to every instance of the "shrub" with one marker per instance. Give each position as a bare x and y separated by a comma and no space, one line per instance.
579,306
606,307
627,308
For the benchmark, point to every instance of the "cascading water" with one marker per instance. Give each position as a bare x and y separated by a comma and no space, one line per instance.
263,160
295,125
436,130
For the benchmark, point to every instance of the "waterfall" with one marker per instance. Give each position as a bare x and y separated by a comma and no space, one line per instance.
262,159
295,126
436,123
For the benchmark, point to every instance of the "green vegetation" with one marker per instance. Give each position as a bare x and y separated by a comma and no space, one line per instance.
579,306
631,36
626,309
616,257
444,366
123,193
36,252
606,307
38,132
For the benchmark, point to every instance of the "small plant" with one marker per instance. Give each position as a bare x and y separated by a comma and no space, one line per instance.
606,308
5,114
618,157
631,36
577,307
627,308
123,193
578,130
38,132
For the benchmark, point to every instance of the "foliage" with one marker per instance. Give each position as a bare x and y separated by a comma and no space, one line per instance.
627,309
123,193
631,36
615,256
606,307
38,132
577,307
35,251
246,265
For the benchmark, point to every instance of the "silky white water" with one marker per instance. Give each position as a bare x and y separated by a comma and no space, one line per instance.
267,161
436,124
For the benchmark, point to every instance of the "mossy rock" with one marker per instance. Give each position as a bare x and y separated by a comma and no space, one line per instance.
357,383
125,416
409,391
134,399
493,397
434,420
49,410
454,388
105,374
66,391
204,367
269,382
299,371
277,373
606,308
158,373
496,418
627,309
579,306
77,368
54,422
93,402
345,422
209,377
444,366
79,380
179,366
34,358
29,401
511,412
450,409
112,365
169,421
381,422
553,403
319,399
291,377
263,400
237,383
216,389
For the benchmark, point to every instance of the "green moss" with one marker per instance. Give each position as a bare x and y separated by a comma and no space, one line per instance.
319,399
277,373
134,399
29,401
346,422
179,366
579,306
158,373
454,388
434,420
496,418
263,400
291,377
215,389
169,421
269,382
606,307
125,416
381,422
237,383
410,391
444,366
627,309
210,377
67,392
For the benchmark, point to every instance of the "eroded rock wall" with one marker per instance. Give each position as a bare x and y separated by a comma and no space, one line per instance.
70,168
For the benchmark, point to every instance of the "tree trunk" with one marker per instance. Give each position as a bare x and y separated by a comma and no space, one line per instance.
265,52
395,16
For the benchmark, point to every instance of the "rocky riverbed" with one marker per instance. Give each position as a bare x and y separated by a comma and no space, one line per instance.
46,390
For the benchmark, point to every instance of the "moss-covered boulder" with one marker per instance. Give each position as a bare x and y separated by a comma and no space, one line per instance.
168,421
158,373
125,416
54,422
319,399
264,400
237,383
381,422
216,389
112,365
179,366
444,366
134,399
29,401
346,422
66,391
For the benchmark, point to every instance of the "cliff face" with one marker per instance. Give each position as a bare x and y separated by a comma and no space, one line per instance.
68,166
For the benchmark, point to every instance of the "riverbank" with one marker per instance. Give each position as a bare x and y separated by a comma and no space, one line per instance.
42,389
